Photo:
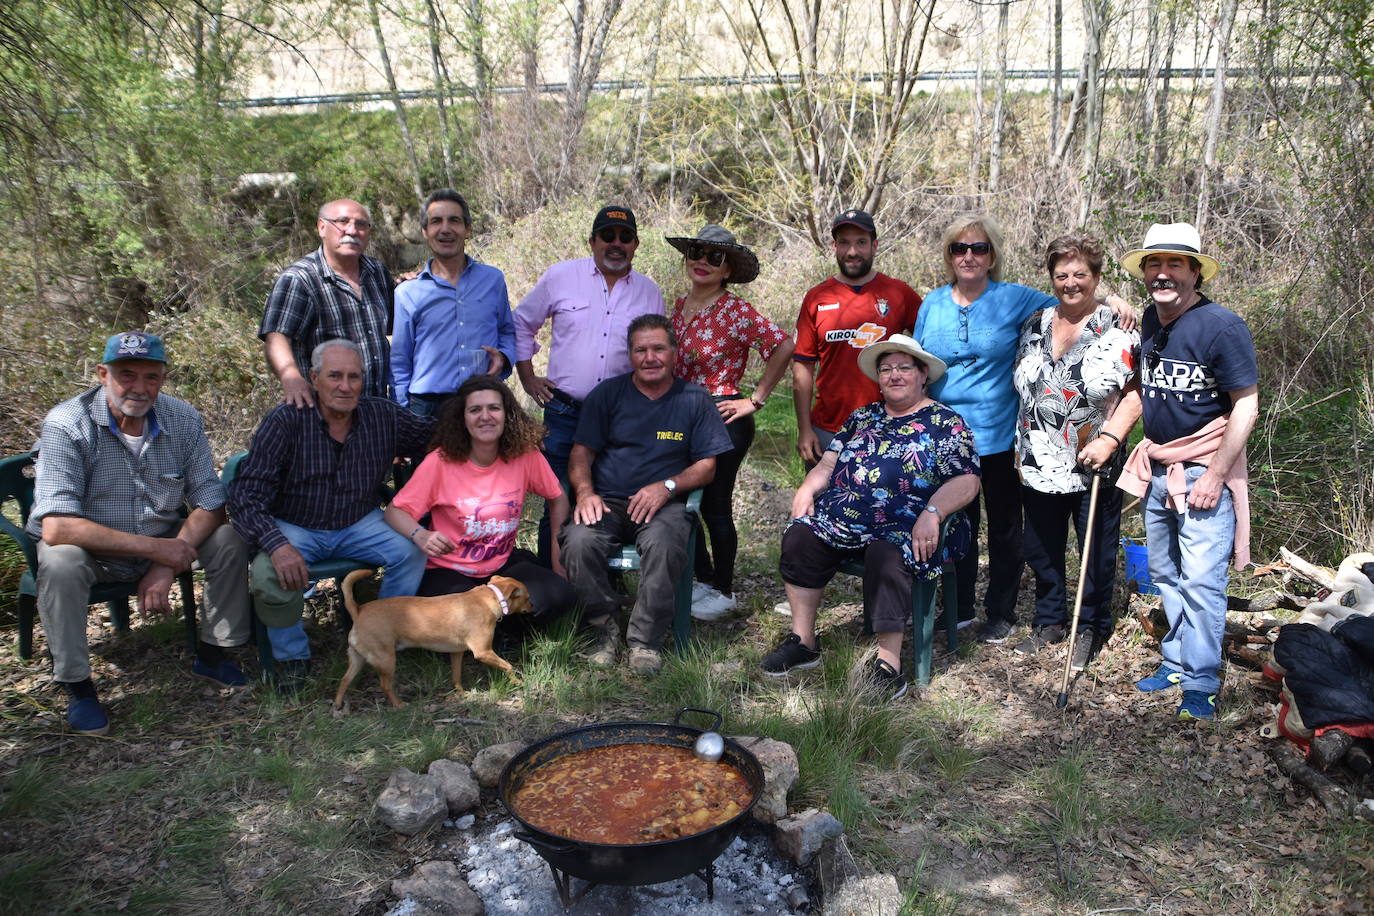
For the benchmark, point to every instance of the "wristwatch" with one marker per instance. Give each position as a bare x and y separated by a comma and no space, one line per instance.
933,511
671,485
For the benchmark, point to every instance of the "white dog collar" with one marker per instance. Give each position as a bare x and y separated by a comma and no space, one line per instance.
505,608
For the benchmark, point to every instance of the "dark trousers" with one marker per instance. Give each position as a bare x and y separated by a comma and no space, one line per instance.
809,562
662,545
560,424
718,512
1047,535
1001,495
551,594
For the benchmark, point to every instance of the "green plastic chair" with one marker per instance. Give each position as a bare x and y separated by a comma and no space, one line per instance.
923,612
16,484
628,560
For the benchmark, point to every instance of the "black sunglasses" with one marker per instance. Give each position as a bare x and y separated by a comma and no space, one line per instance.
958,248
713,256
608,235
1161,341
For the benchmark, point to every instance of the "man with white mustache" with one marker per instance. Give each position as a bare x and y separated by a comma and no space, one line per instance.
1200,398
590,302
334,292
115,466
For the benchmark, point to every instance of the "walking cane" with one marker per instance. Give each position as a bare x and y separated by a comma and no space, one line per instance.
1078,599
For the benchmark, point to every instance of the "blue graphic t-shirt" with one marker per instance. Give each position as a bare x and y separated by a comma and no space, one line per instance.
1187,368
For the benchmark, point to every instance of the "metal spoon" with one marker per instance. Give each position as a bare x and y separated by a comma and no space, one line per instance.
709,747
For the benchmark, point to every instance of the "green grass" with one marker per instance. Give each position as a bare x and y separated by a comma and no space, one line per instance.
33,791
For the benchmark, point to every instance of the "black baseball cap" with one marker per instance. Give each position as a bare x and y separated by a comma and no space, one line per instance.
614,215
857,218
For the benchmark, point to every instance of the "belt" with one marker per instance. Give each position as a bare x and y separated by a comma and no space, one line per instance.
563,397
428,397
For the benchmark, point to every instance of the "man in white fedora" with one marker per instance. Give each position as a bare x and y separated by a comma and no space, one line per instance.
1198,386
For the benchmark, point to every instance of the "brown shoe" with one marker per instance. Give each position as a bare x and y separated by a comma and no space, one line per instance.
645,661
605,642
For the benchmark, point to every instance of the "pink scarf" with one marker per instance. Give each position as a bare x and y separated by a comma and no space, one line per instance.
1197,448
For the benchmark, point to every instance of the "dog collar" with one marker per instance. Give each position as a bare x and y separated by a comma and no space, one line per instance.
505,608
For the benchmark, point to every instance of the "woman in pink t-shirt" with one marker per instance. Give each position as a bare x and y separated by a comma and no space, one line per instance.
472,486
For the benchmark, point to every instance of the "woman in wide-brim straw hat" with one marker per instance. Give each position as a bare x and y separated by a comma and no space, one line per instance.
715,330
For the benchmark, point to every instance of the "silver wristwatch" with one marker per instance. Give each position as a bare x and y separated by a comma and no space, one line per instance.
671,485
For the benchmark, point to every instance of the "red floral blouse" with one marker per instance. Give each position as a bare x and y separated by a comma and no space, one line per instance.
713,348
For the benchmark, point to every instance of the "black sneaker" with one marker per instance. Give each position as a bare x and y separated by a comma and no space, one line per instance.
1084,650
789,655
995,632
1040,637
886,681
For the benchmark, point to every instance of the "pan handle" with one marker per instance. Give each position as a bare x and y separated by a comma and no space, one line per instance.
715,727
539,842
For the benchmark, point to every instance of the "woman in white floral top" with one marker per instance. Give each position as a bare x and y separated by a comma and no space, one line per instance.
1074,374
715,331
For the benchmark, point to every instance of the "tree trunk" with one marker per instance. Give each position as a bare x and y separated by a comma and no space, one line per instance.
1057,65
441,90
999,105
401,123
1095,24
1210,173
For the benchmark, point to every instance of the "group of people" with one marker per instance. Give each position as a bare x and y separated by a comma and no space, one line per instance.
905,411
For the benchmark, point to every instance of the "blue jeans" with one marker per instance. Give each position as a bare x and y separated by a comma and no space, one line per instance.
560,424
1189,555
368,540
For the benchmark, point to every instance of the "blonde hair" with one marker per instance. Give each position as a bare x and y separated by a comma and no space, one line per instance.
984,224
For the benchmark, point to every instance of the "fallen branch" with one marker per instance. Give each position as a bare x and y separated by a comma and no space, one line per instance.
1333,798
1265,601
1319,575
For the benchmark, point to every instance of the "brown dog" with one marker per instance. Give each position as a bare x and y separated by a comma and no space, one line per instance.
447,623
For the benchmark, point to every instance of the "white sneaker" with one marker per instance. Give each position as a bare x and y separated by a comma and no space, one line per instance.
713,608
702,591
783,608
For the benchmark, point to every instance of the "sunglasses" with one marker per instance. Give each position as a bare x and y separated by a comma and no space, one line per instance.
958,248
608,235
713,256
1161,341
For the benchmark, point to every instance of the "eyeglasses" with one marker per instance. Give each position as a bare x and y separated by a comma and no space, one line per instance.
957,249
904,369
608,235
713,256
343,222
1161,341
963,325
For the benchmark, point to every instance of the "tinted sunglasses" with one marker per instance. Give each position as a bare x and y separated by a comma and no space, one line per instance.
608,235
1161,341
958,248
713,256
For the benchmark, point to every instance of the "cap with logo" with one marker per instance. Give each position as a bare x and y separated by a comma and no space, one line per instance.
614,215
856,218
134,345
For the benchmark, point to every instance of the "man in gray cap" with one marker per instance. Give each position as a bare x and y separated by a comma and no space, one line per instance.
115,466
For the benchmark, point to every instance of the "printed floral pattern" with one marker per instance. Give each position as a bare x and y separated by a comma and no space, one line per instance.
886,469
1060,398
713,348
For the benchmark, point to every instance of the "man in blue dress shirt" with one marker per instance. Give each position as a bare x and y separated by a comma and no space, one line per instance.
453,320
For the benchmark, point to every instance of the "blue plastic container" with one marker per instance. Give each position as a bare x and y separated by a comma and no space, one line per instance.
1138,566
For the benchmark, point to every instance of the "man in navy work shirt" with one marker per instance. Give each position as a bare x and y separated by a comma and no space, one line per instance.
1199,398
453,320
309,491
643,441
115,466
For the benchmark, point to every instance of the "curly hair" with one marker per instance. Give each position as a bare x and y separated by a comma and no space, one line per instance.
521,434
990,230
1082,247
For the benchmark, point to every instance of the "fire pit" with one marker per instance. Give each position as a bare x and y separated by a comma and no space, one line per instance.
627,863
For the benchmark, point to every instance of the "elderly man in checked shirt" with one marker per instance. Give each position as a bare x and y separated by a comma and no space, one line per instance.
308,491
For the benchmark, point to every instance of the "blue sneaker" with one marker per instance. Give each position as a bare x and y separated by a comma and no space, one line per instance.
1162,679
1197,705
225,674
86,717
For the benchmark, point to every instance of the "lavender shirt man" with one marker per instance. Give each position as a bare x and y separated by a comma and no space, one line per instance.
591,302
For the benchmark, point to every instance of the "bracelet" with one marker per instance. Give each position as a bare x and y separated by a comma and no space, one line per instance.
1109,436
411,536
758,405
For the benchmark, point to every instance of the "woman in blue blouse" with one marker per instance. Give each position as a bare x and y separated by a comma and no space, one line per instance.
973,325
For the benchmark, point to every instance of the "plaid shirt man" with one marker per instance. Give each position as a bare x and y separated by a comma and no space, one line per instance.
310,304
297,473
85,469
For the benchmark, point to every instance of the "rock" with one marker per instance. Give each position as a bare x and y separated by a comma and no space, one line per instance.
409,906
490,761
874,895
835,865
455,781
797,899
799,837
440,886
780,771
411,803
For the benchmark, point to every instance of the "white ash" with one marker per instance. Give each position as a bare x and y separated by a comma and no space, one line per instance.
511,878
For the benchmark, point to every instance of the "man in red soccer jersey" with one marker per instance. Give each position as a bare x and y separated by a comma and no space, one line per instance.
838,318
